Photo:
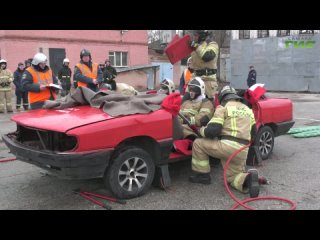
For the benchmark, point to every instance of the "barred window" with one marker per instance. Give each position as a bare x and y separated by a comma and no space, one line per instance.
282,33
263,33
244,34
306,31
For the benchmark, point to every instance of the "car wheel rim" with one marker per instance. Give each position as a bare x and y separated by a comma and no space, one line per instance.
265,143
133,174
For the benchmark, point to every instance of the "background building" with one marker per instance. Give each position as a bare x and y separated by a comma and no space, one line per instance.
285,60
125,49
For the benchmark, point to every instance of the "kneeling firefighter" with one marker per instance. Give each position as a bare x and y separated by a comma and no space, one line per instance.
167,87
231,127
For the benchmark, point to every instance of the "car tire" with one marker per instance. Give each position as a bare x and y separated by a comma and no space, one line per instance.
265,141
130,173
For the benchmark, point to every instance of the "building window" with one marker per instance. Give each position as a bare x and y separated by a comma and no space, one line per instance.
263,33
118,59
244,34
282,33
306,31
41,50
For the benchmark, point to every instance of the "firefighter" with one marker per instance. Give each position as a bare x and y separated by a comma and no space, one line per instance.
204,61
198,109
167,87
64,76
86,73
36,80
231,127
6,79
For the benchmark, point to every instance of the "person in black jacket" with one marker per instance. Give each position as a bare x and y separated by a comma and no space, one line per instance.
20,93
64,76
252,77
109,74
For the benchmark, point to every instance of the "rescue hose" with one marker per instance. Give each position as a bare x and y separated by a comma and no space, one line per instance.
242,203
3,160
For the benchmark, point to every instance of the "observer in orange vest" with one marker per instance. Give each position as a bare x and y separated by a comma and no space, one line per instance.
87,73
36,80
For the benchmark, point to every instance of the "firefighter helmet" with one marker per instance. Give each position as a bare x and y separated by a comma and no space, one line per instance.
167,84
66,60
197,85
85,52
39,58
3,61
227,93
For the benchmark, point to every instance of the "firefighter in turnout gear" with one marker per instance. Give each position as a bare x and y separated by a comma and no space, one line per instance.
231,127
167,87
198,109
36,80
204,61
87,73
6,79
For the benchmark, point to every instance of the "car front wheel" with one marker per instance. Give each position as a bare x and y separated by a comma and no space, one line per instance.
130,173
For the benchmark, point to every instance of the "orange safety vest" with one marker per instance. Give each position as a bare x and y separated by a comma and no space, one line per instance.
40,78
187,77
85,70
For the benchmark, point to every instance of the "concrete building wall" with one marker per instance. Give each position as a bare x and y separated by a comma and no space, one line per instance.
280,68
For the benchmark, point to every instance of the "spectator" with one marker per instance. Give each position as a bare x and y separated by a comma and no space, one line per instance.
252,77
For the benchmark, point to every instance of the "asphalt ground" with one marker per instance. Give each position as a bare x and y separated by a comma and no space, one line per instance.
293,170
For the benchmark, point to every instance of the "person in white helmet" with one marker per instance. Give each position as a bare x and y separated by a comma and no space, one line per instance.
6,79
36,80
167,86
64,76
198,110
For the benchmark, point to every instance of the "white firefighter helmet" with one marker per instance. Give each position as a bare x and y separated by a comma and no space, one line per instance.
3,61
168,84
39,58
197,82
66,60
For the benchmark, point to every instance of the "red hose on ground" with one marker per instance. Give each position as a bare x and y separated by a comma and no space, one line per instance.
3,160
242,203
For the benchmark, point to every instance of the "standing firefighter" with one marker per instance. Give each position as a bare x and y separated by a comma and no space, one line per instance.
232,127
198,110
36,80
87,73
204,61
6,79
64,76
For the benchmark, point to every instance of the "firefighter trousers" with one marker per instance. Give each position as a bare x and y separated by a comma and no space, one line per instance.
5,100
222,149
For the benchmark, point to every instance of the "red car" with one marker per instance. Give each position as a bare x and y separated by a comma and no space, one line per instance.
84,142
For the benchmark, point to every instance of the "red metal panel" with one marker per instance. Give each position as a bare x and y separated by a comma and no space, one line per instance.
108,134
178,48
275,110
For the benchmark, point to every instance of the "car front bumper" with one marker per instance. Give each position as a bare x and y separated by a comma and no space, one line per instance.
63,165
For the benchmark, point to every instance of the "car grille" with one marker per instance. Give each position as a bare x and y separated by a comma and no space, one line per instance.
45,140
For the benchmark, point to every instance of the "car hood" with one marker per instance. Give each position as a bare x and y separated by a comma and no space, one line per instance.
61,120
